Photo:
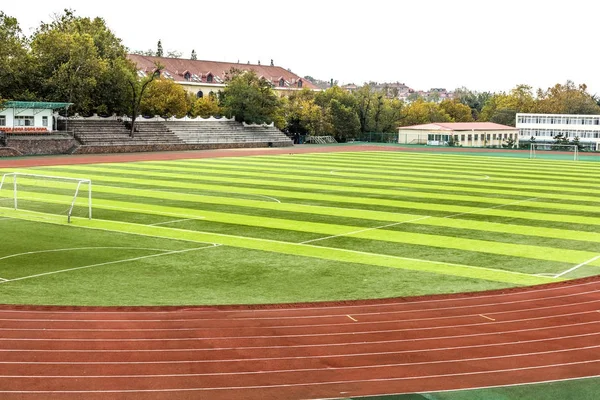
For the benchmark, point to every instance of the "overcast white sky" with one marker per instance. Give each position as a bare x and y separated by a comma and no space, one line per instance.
483,45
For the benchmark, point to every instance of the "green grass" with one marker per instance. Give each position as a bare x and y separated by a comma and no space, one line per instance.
299,228
576,389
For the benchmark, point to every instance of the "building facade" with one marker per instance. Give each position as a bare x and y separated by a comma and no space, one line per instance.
470,134
207,78
29,116
544,128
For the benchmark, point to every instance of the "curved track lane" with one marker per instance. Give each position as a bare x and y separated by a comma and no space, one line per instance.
307,351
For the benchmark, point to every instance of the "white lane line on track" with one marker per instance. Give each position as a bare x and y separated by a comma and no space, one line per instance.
342,382
108,263
491,208
324,315
365,230
577,267
299,346
327,368
326,334
214,309
344,355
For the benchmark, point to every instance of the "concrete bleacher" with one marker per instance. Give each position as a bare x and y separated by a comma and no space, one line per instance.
115,133
227,132
110,135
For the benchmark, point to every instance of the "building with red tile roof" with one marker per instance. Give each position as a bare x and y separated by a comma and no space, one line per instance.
475,134
205,77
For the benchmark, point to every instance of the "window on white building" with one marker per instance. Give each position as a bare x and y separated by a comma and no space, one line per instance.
2,120
24,120
44,121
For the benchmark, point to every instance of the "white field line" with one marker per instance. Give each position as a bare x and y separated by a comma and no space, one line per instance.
328,368
5,218
79,248
3,280
310,335
310,357
343,307
365,230
308,384
175,220
107,263
576,267
490,208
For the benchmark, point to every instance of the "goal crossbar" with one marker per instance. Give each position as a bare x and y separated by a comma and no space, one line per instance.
79,181
533,147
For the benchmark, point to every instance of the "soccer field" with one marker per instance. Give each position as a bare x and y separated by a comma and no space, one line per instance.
298,227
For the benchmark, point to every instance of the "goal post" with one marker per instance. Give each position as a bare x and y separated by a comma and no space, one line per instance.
536,147
47,194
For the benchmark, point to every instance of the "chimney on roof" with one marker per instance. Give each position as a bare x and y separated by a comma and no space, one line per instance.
258,62
272,65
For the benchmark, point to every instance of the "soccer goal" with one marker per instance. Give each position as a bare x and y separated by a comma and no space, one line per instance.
545,147
47,194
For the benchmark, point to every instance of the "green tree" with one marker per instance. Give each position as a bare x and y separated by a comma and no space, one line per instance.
81,61
422,112
502,108
249,98
165,98
344,120
473,99
159,49
566,99
15,63
364,99
138,89
457,111
203,107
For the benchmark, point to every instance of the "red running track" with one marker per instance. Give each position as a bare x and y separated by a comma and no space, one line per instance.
306,351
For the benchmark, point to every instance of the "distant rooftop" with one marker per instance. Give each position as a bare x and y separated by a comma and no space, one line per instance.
460,126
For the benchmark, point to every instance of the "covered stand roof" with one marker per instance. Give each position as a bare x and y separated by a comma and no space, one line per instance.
35,105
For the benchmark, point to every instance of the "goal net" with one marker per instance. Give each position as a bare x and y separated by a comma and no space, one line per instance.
71,197
537,149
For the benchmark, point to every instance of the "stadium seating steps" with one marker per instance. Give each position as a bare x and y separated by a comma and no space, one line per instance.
176,135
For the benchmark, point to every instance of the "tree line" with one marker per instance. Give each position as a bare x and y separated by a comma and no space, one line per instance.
80,60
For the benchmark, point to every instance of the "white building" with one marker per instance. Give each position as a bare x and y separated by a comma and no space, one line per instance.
29,116
471,134
544,127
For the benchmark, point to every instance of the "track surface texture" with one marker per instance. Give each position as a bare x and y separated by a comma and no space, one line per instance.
302,351
306,351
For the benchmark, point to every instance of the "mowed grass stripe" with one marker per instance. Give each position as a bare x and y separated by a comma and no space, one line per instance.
537,214
375,177
304,212
295,171
334,254
354,190
444,189
382,169
525,251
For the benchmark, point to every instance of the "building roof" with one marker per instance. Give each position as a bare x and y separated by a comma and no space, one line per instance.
34,105
198,71
461,126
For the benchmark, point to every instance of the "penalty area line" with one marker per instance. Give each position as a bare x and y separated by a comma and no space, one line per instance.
110,263
591,260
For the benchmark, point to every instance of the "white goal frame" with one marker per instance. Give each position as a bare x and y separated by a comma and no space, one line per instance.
79,181
573,147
